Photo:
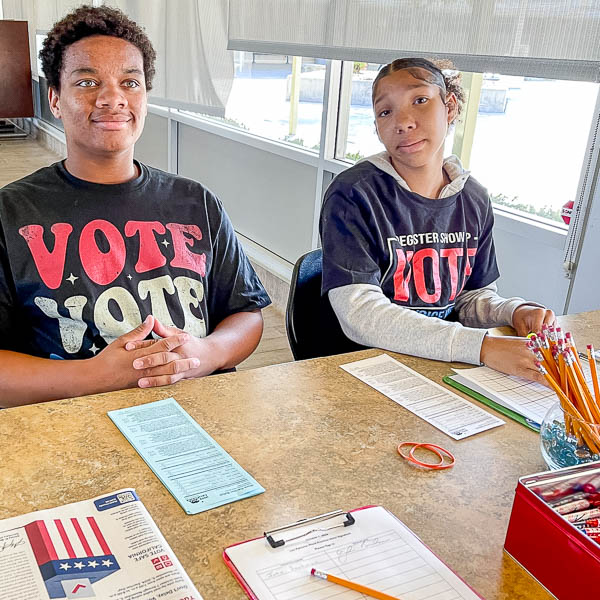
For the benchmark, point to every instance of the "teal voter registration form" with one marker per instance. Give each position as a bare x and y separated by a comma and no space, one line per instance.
191,465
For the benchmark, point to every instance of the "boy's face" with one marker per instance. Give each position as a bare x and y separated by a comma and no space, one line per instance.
411,119
102,100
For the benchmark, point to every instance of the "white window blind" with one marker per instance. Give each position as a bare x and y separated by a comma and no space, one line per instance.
545,38
194,70
11,9
40,16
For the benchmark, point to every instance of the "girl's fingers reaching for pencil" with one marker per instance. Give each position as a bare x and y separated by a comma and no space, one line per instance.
528,318
510,355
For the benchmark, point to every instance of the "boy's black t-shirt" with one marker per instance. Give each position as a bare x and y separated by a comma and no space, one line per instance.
82,263
421,252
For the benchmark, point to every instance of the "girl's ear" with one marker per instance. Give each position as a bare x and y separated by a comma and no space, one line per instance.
451,107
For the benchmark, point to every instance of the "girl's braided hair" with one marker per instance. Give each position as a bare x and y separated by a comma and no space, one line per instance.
440,72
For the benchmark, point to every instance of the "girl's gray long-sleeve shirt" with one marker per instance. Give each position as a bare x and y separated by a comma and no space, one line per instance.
369,318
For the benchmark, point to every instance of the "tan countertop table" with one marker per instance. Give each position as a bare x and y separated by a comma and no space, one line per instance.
316,438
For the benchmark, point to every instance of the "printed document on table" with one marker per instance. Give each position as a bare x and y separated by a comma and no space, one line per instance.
190,464
528,398
450,413
377,551
107,548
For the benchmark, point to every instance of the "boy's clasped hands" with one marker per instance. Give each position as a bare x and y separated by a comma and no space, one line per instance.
132,360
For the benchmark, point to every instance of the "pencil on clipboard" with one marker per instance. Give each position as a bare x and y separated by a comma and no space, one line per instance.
357,587
279,561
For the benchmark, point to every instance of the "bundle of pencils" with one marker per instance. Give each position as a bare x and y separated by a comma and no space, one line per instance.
558,361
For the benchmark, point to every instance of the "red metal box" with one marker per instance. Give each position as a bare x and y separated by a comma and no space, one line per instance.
554,551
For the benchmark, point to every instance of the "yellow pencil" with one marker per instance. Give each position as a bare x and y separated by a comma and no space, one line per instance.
353,586
589,435
592,363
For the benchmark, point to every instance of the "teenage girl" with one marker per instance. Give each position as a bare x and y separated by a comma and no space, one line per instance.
408,254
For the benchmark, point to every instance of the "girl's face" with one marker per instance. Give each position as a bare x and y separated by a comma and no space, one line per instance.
411,119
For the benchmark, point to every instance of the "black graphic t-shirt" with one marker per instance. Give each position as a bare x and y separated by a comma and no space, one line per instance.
421,252
82,263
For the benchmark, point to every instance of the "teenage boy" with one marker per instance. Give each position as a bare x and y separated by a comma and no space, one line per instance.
99,251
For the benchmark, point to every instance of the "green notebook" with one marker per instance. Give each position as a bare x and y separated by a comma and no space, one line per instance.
501,409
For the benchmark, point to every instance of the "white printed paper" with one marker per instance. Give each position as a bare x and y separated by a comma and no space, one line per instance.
435,404
107,548
528,398
377,551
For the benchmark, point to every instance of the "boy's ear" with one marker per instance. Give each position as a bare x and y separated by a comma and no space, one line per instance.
451,107
54,102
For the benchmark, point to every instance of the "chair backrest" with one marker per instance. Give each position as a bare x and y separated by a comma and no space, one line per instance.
313,329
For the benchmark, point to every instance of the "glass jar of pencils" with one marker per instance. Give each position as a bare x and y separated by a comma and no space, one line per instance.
567,440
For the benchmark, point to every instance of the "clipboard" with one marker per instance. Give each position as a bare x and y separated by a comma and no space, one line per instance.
345,519
507,412
274,543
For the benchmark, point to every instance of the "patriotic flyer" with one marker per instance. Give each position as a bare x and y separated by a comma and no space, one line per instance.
107,548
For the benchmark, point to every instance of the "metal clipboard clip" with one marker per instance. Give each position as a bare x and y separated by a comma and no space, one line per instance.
324,517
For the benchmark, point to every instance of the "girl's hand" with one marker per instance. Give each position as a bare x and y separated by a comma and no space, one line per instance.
510,355
529,319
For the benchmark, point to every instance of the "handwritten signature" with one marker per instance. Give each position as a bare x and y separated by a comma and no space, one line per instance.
367,544
11,544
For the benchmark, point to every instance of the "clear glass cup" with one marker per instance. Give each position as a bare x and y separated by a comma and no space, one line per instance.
568,442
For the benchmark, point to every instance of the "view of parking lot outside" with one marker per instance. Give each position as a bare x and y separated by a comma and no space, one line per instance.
260,98
529,143
530,156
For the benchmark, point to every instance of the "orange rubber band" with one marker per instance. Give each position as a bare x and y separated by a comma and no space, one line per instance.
412,459
404,456
434,449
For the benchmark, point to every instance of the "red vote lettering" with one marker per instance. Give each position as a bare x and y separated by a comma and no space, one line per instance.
400,282
451,254
468,269
418,268
101,267
50,265
149,256
184,235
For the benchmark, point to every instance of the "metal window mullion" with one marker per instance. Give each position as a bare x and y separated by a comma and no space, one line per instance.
172,145
331,107
464,132
589,186
584,189
343,120
331,100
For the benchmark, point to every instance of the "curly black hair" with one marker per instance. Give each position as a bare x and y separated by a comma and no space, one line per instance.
86,21
441,73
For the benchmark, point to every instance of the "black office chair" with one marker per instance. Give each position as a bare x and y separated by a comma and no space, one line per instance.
312,328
